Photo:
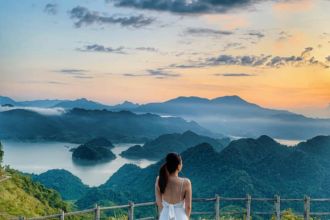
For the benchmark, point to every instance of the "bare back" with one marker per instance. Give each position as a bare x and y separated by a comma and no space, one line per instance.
175,190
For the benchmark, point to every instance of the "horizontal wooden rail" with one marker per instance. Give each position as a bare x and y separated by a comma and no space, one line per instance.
248,212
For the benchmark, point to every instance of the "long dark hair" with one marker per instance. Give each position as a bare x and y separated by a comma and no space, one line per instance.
172,162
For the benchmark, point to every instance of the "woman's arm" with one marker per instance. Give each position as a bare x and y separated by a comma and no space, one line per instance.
158,196
188,198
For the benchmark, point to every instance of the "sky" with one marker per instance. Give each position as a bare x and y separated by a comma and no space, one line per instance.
275,53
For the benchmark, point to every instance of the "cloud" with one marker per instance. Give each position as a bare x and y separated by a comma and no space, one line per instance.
235,46
158,73
72,71
184,6
255,61
83,16
327,58
148,49
56,83
51,9
307,51
43,111
233,74
283,35
257,34
76,73
207,32
102,49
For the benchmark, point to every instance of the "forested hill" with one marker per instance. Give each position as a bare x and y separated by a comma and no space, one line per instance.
20,196
80,125
261,167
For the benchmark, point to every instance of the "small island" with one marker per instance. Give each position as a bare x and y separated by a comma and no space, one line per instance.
94,151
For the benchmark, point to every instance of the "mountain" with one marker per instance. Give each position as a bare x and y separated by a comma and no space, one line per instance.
20,196
6,100
80,125
69,186
44,103
234,116
124,106
81,103
159,147
261,167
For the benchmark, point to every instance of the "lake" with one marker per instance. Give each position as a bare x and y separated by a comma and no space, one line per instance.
39,157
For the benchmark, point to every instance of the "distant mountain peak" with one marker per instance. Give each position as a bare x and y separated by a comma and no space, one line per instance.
266,140
231,99
187,99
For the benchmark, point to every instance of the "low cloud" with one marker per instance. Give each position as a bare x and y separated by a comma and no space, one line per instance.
327,58
257,34
255,61
84,16
42,111
102,49
76,73
206,32
72,71
185,7
148,49
233,74
51,9
156,73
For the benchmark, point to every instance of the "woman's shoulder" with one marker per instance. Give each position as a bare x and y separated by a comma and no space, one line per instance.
186,180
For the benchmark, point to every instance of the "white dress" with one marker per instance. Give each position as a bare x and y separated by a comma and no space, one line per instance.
173,211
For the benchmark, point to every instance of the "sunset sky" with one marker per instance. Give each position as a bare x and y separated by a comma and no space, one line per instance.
273,53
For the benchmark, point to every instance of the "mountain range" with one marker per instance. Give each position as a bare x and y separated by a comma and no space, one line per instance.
229,115
68,104
80,125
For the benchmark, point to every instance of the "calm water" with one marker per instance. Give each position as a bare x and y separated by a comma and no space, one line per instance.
40,157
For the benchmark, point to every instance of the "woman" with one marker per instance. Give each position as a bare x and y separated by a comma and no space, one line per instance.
173,193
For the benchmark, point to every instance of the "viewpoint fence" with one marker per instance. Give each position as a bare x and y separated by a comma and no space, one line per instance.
216,213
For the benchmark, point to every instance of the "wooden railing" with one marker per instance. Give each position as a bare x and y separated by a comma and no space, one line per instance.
216,213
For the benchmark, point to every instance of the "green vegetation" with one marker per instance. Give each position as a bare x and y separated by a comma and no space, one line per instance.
80,125
20,196
260,167
94,150
159,147
69,186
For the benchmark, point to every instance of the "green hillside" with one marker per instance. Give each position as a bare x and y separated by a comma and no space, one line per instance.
20,196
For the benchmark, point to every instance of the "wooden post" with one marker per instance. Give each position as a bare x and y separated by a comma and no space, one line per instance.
131,210
307,207
248,207
62,217
217,207
277,207
97,214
